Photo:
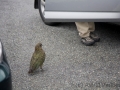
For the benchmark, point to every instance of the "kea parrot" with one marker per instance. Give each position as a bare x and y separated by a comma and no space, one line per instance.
37,59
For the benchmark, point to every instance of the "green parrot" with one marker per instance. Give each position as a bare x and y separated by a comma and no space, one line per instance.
37,59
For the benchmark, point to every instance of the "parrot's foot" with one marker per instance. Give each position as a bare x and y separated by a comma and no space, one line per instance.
41,69
30,71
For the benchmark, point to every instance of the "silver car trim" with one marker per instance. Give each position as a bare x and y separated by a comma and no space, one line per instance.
0,52
51,16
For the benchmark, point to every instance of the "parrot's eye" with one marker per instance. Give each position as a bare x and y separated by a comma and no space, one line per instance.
40,45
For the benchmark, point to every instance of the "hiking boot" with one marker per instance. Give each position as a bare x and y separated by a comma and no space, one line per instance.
94,37
88,41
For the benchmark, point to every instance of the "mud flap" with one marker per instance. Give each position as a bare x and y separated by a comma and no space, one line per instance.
36,4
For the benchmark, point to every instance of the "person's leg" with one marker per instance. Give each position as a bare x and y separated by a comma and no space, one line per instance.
83,29
84,32
92,34
91,26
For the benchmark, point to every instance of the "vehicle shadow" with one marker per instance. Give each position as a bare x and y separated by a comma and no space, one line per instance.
108,31
103,29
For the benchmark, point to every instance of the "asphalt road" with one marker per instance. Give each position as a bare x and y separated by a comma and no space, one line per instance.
69,64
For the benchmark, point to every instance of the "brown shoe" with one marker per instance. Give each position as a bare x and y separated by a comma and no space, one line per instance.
94,37
88,41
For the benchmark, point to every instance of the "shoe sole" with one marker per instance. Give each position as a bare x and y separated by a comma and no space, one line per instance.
88,44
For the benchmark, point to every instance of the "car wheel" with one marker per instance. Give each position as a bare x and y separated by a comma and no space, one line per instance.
41,4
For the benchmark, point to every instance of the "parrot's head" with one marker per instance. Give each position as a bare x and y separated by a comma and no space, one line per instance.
38,47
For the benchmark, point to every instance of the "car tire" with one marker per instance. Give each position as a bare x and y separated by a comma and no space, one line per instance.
41,11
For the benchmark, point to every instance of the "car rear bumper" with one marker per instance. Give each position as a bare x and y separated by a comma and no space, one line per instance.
6,84
6,81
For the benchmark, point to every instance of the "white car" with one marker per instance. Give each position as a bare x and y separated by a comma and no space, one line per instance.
53,11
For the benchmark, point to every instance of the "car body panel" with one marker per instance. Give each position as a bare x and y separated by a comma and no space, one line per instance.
83,5
82,10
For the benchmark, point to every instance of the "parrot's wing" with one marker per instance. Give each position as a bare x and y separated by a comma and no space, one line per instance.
42,59
34,64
